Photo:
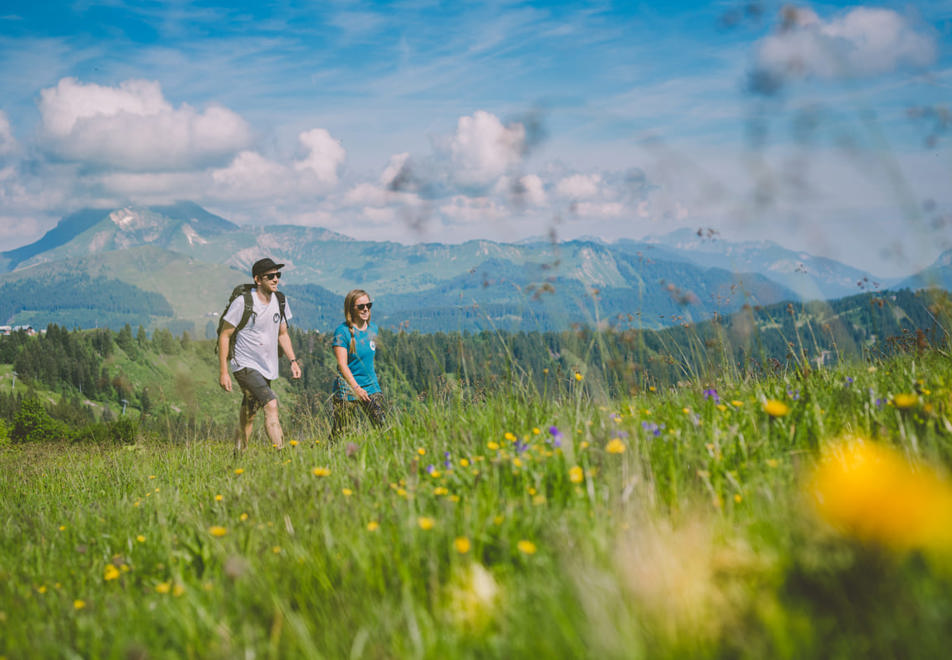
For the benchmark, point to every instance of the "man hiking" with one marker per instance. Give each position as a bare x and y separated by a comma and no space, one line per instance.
254,355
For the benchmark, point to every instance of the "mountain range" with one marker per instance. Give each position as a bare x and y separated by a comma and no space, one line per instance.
173,266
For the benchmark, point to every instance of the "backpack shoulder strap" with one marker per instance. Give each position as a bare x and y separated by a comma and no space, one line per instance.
249,306
281,300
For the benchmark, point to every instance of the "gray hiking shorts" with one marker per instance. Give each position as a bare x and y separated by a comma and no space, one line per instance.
255,388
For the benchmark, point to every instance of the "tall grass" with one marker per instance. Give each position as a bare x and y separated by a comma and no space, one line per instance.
498,523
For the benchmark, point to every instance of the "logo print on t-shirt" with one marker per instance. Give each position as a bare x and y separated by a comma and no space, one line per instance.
276,317
373,345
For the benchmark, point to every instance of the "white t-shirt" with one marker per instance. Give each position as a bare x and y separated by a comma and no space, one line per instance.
256,344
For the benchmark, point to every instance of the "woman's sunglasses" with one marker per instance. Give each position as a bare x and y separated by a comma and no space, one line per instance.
363,306
272,276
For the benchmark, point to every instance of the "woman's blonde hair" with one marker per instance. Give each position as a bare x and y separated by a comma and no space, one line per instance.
349,301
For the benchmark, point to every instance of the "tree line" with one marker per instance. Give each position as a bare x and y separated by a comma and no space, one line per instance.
613,361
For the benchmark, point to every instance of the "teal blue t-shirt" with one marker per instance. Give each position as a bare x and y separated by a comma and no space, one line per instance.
361,363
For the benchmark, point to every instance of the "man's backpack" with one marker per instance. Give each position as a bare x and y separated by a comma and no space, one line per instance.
244,290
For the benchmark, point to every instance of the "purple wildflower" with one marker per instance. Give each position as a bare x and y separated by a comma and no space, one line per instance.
712,394
447,463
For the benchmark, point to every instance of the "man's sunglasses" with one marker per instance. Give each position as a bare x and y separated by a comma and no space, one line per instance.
363,306
272,276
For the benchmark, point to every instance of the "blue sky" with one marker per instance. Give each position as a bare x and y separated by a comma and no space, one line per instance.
823,127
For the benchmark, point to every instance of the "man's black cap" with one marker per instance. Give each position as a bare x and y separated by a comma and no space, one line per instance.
263,266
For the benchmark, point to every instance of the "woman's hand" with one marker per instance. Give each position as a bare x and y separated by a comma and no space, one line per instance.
361,393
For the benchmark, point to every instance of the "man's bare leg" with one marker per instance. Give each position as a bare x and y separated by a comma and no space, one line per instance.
246,424
272,424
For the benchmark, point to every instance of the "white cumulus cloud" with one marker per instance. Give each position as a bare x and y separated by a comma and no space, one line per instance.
579,186
864,41
325,155
483,149
133,127
7,142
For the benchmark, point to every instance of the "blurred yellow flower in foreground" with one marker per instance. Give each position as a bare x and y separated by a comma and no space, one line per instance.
776,408
462,545
217,530
111,573
905,400
472,598
163,587
615,446
321,472
79,604
872,493
373,526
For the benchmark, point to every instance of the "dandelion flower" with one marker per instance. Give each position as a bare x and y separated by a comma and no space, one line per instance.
425,523
776,408
62,528
163,587
872,493
140,538
347,492
526,547
293,443
509,436
111,573
321,472
578,376
239,470
615,446
576,475
79,604
373,526
178,590
243,517
493,445
421,451
464,462
904,401
219,498
217,530
462,545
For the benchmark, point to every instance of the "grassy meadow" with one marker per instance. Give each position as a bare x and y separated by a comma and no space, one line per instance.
805,514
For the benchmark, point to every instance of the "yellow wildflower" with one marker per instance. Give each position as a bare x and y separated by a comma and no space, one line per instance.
217,530
421,451
776,408
79,604
615,446
373,526
140,538
526,547
293,443
904,401
576,475
178,590
464,462
462,545
163,587
219,498
111,573
425,523
509,436
239,470
871,492
347,492
493,445
321,472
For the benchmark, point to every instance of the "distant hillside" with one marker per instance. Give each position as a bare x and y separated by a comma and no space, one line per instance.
938,275
192,259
